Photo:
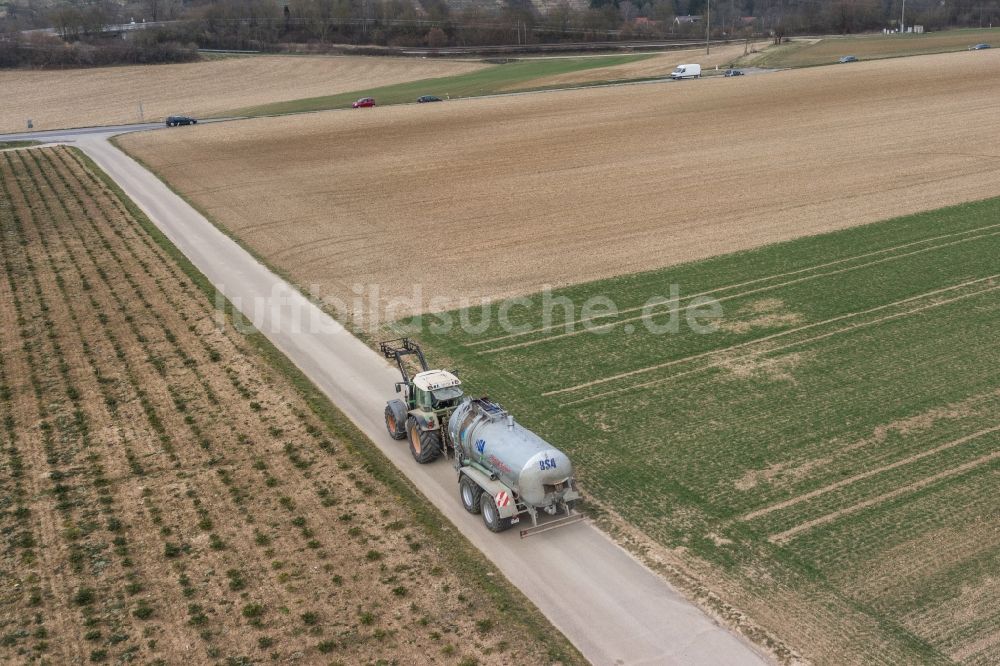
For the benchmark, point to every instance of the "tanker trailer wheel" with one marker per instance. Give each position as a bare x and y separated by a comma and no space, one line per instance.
470,492
396,429
425,445
491,514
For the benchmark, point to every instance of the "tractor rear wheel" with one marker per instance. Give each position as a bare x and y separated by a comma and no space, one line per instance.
396,429
425,445
470,492
491,514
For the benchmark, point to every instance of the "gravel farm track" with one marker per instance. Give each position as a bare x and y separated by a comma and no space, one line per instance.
508,194
111,95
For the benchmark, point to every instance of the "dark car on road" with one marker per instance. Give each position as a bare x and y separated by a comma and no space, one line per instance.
428,98
734,72
174,121
979,47
363,102
848,59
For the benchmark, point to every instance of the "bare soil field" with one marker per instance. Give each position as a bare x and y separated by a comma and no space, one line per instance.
660,64
168,496
112,95
505,195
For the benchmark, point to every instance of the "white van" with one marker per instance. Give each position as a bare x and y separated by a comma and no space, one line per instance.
686,72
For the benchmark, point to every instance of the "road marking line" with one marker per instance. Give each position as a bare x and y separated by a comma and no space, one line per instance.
864,475
773,336
787,535
550,327
779,348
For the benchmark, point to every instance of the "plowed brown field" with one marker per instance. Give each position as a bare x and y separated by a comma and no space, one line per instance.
493,197
112,95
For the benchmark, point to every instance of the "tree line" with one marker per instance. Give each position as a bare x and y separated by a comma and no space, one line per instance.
181,26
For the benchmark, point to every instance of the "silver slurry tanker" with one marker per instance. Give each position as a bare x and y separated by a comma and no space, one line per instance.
506,471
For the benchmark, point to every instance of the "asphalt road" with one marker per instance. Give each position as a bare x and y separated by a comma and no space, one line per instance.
70,135
101,133
609,605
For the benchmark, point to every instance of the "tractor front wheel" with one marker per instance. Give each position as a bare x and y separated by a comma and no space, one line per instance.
396,429
425,445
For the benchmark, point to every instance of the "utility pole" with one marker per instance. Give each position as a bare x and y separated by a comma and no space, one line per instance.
708,26
902,19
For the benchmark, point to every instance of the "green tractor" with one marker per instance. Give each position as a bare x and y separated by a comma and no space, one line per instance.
429,398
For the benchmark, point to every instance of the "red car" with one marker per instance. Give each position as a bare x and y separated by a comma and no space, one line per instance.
363,102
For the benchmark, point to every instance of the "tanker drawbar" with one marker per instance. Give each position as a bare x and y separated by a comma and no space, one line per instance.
505,471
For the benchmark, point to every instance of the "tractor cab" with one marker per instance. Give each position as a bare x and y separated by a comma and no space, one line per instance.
434,390
428,399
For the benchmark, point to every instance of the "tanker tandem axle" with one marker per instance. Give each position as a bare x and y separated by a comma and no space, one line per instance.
505,471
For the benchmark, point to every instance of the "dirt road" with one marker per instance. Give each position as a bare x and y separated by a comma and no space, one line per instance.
610,606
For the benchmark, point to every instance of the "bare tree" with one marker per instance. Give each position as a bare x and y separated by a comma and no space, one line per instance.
436,38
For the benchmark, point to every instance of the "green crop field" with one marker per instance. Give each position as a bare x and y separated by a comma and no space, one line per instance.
826,51
827,460
491,80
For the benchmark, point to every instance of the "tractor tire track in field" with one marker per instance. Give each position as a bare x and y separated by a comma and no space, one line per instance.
869,473
966,652
769,350
604,327
638,308
787,535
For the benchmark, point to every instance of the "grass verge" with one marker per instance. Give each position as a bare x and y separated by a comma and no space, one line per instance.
489,81
7,145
